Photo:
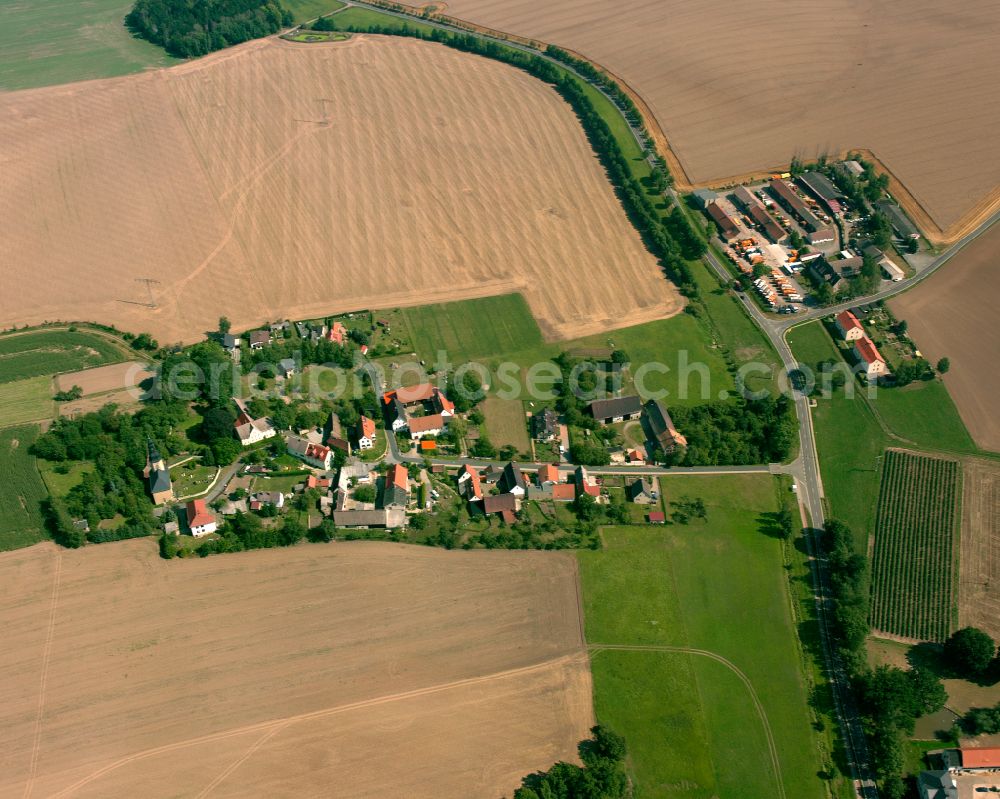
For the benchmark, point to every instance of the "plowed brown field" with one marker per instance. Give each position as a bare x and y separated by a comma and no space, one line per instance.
979,563
282,180
336,670
742,86
956,314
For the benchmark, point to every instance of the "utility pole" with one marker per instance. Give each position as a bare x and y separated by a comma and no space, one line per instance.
149,287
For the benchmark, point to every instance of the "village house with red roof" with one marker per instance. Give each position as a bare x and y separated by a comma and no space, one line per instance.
201,521
470,485
422,410
337,333
365,434
849,327
318,456
869,356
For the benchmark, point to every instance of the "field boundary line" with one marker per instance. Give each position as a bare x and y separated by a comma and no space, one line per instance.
276,725
43,679
687,650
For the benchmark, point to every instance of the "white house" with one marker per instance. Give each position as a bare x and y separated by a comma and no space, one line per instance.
420,426
366,433
250,430
870,358
259,339
200,520
512,481
253,431
849,327
315,455
262,498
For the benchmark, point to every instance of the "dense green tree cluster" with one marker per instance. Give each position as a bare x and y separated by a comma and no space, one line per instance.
867,280
848,573
982,721
482,447
303,351
602,775
861,189
735,432
970,652
878,228
69,395
115,443
202,373
466,392
589,451
187,28
526,534
890,701
911,369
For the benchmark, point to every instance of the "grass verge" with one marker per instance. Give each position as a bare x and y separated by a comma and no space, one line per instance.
719,586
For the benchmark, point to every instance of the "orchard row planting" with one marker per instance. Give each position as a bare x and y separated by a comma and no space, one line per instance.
913,590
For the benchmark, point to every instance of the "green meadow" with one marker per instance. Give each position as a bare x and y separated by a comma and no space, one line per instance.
718,586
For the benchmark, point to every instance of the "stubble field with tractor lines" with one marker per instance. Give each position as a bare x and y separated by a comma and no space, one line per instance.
282,180
377,668
743,90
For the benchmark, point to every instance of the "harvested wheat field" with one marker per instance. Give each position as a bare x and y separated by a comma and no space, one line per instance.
343,669
101,379
280,180
742,87
979,564
956,314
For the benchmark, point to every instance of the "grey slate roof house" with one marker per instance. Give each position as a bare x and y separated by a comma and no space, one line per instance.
545,425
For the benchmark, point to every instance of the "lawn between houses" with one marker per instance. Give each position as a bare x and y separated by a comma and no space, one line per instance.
720,586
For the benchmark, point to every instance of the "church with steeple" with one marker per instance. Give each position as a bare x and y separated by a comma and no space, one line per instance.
156,472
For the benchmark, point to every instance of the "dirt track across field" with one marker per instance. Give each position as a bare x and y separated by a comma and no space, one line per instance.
277,180
744,87
381,669
956,314
979,564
